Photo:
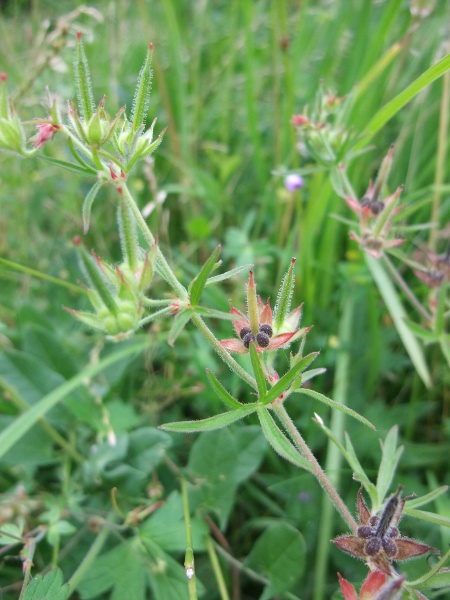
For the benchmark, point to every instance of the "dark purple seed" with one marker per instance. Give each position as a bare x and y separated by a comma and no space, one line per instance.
377,207
374,521
267,329
389,547
262,339
365,531
248,339
393,532
373,546
244,331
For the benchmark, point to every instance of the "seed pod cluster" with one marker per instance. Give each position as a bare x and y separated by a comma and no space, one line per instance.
262,338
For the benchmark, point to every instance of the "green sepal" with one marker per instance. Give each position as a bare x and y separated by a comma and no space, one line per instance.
85,95
128,234
96,277
211,423
142,93
197,285
283,303
279,441
221,392
87,204
336,405
282,384
258,372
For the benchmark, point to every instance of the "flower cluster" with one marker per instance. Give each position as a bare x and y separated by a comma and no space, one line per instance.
375,214
378,540
261,327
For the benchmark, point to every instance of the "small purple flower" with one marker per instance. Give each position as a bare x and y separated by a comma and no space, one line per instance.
293,182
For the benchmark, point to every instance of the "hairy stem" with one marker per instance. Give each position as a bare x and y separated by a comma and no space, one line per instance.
318,472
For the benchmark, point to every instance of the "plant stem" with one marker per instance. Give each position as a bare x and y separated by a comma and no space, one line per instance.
217,570
189,556
224,354
162,263
334,459
406,289
318,472
90,557
28,563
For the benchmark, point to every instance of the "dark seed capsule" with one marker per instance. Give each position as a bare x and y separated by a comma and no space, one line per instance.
262,339
389,547
365,531
373,546
374,521
244,331
248,338
376,207
267,329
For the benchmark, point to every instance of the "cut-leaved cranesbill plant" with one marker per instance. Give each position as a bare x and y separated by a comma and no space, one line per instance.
124,299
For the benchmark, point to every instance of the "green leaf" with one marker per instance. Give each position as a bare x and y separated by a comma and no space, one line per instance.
87,204
179,323
426,498
211,423
72,167
10,533
389,460
423,582
12,434
221,392
392,108
422,332
279,441
85,95
359,473
335,405
166,527
279,555
227,274
282,384
258,373
398,314
50,587
197,285
438,581
427,516
123,569
218,464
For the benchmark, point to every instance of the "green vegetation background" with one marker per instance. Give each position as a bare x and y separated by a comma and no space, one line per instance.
228,76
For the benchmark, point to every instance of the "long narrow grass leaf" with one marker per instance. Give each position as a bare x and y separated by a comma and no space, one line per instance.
396,104
398,314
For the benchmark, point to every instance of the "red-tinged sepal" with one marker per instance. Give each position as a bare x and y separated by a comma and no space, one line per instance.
347,589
